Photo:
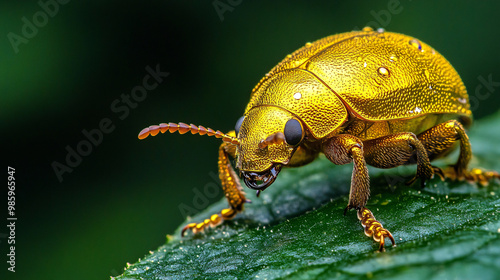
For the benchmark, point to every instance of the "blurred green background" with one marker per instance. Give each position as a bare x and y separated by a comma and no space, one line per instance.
124,197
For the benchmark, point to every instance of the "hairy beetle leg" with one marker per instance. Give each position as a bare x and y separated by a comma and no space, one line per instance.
374,228
398,149
440,138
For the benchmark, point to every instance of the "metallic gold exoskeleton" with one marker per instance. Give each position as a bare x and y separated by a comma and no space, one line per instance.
366,97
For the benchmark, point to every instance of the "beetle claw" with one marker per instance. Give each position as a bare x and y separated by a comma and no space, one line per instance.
345,210
411,181
349,207
188,226
426,175
439,172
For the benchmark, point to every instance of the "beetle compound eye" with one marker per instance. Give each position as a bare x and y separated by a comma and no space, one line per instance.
293,132
238,125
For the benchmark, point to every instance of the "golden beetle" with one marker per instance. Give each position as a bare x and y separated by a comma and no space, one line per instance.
367,97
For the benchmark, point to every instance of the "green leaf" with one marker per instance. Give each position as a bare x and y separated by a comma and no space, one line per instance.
296,229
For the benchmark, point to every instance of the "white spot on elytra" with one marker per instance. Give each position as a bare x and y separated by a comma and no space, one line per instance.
462,100
418,110
364,64
297,95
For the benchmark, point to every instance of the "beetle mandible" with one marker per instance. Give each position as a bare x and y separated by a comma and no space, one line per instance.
366,97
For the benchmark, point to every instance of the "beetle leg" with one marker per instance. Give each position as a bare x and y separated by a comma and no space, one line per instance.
398,149
440,138
343,149
232,190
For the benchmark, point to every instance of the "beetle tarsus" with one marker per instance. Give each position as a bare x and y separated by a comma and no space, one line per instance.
374,228
475,175
215,220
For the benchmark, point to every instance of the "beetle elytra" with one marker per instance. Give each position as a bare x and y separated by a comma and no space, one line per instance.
366,97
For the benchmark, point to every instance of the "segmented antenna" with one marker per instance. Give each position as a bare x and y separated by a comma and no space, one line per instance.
182,128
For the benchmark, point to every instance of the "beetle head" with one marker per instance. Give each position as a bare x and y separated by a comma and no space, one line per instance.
268,136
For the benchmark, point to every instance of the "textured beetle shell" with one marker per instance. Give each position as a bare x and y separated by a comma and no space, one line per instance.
376,76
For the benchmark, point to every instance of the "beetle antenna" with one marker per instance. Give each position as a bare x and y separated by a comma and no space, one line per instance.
182,128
